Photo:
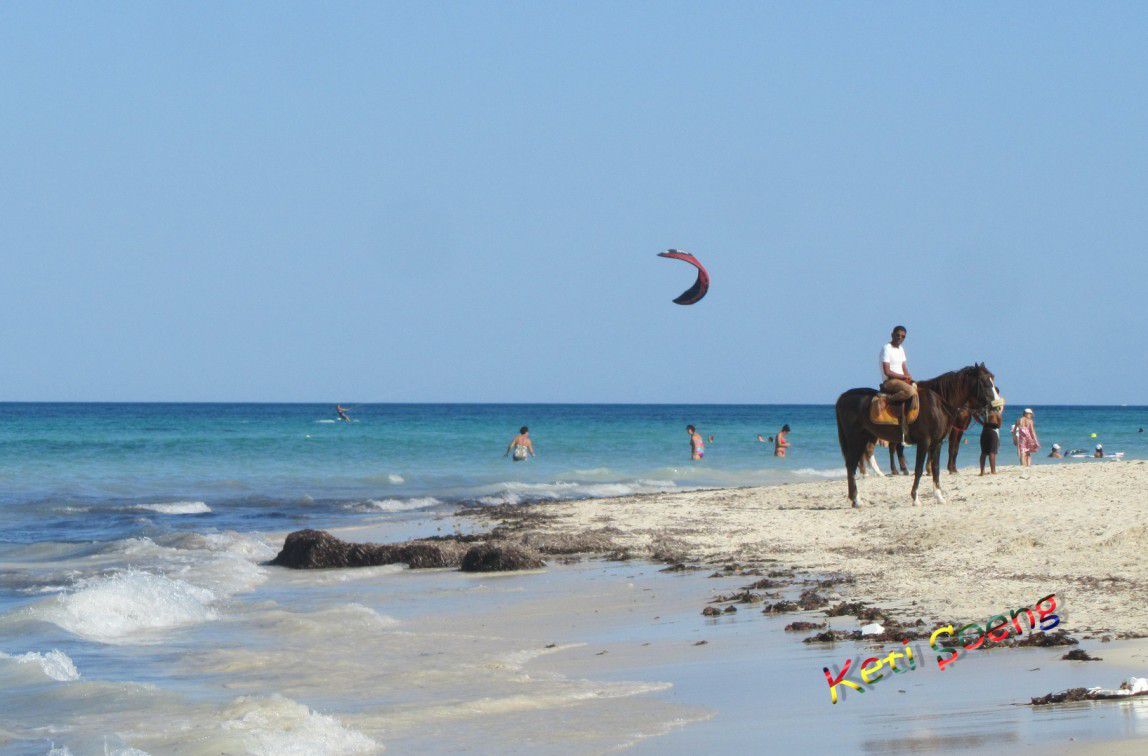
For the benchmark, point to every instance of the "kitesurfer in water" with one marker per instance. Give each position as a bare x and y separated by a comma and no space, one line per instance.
521,446
697,444
341,411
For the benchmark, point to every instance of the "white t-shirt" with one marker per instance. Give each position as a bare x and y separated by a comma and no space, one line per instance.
895,356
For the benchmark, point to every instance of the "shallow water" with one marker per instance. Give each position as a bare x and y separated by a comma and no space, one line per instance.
571,659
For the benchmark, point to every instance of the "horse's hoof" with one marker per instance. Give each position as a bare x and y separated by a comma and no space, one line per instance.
856,505
937,495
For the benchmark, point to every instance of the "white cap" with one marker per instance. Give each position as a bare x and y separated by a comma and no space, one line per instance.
1056,446
1028,411
1100,446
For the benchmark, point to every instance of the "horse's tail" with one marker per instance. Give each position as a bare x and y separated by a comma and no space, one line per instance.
841,428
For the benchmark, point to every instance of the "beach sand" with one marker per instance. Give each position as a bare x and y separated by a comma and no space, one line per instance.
999,542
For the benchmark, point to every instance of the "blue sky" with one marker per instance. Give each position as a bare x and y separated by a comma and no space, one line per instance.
463,202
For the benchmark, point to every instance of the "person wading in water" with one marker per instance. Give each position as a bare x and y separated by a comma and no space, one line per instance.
896,381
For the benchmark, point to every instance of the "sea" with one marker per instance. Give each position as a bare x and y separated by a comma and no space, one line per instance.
137,614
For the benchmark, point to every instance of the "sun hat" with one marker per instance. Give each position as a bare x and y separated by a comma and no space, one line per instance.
1056,446
1028,411
1100,446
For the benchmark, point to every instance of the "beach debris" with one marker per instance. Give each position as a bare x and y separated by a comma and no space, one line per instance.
731,609
872,629
318,549
858,610
585,542
800,627
680,567
711,611
811,599
743,597
601,653
832,636
763,583
1042,640
551,645
1079,654
701,643
489,557
1133,686
780,607
695,293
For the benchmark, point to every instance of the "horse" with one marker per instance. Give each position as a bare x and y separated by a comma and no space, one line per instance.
941,398
961,424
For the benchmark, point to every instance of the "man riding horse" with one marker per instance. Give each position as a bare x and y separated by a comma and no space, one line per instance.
896,382
928,412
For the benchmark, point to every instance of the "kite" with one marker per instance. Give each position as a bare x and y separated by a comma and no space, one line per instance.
695,293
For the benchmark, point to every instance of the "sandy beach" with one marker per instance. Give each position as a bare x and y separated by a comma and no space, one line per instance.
1079,530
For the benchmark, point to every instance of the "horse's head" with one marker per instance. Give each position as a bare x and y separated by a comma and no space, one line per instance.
984,397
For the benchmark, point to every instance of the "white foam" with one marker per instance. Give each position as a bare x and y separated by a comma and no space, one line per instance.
55,664
278,725
176,508
402,505
395,478
117,608
515,492
820,473
326,421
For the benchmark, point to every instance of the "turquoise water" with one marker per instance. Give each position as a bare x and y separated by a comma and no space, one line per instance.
136,607
102,471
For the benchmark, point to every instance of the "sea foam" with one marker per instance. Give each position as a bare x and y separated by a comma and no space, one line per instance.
175,508
278,725
116,608
55,664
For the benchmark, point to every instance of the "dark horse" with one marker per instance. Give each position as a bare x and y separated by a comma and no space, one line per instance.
942,398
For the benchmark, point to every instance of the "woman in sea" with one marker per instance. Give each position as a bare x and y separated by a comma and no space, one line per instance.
781,443
1026,441
521,446
697,445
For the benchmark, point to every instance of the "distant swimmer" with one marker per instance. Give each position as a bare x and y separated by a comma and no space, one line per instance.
697,444
341,411
781,443
521,447
711,439
1099,453
1055,454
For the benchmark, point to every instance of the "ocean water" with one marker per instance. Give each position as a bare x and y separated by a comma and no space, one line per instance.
136,612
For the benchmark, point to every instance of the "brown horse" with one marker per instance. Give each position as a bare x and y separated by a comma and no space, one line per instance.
941,398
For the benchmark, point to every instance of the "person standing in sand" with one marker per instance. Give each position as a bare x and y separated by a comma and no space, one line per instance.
521,446
990,443
1026,441
781,443
697,444
896,381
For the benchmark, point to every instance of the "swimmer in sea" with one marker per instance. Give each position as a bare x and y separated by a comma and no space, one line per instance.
781,443
341,411
521,446
697,444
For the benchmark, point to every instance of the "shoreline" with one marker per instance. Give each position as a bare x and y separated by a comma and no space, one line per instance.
999,541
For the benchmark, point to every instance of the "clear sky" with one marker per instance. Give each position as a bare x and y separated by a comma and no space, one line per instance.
463,201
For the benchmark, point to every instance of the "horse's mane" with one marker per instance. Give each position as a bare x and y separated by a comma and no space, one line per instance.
946,384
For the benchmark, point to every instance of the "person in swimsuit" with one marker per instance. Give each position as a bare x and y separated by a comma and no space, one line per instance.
1099,452
521,446
781,443
697,444
1055,453
341,411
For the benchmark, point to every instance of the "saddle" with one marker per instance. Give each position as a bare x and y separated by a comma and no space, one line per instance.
884,412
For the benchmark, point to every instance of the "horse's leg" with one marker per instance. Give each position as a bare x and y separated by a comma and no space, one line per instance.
871,459
901,457
935,456
852,458
892,459
954,447
919,468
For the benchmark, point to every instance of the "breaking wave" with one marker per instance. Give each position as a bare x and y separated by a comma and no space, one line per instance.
514,492
55,664
278,725
396,505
